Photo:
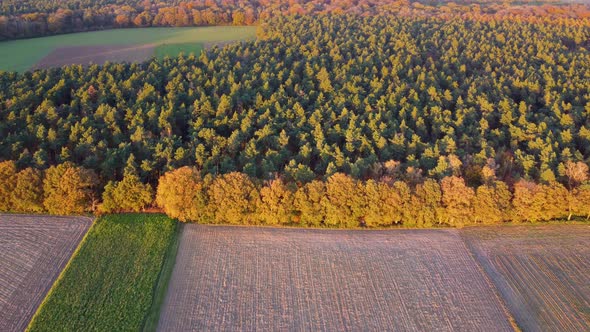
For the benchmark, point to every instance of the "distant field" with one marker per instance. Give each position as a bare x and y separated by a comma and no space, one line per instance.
164,50
542,272
33,251
21,55
248,279
110,283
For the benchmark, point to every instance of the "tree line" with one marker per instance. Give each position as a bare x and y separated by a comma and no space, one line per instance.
34,18
339,201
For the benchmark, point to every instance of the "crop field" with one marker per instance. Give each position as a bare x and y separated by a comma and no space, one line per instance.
33,252
542,272
118,45
113,280
238,278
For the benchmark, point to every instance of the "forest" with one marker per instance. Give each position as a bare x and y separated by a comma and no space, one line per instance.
33,18
344,111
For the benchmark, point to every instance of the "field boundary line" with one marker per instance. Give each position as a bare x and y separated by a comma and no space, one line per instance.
470,250
151,320
63,271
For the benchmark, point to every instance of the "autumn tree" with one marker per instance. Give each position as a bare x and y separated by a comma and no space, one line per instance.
233,199
276,203
129,194
425,205
308,203
539,202
344,201
7,184
68,189
576,173
385,204
581,206
182,195
492,203
28,192
457,200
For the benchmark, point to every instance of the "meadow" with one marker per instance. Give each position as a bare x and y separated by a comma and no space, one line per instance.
22,55
113,280
33,252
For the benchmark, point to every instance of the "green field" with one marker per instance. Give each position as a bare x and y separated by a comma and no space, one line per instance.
175,49
20,55
114,281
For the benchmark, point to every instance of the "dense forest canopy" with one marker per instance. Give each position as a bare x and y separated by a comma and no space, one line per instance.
319,95
30,18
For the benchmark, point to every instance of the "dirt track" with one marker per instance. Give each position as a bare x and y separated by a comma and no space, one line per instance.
33,251
86,55
246,279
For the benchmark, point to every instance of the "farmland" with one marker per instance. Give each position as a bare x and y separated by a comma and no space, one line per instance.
237,278
113,279
541,271
33,251
116,45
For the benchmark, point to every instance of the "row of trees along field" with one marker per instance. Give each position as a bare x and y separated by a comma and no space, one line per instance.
340,201
320,95
32,18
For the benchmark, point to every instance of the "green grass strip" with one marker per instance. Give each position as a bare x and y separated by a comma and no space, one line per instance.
109,283
151,322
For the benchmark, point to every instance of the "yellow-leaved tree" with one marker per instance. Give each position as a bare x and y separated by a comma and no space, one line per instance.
308,203
492,203
182,196
233,199
385,204
276,203
7,184
69,189
28,192
457,199
129,194
345,201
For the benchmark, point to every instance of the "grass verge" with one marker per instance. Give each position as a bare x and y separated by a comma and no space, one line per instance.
151,322
109,283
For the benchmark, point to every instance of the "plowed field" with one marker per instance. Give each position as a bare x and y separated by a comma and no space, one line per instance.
33,251
542,272
246,279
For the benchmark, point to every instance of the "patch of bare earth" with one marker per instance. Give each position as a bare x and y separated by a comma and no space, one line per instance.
33,251
98,54
542,272
269,279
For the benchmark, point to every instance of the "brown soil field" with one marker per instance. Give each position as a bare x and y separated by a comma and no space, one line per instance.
33,252
542,272
86,55
246,278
